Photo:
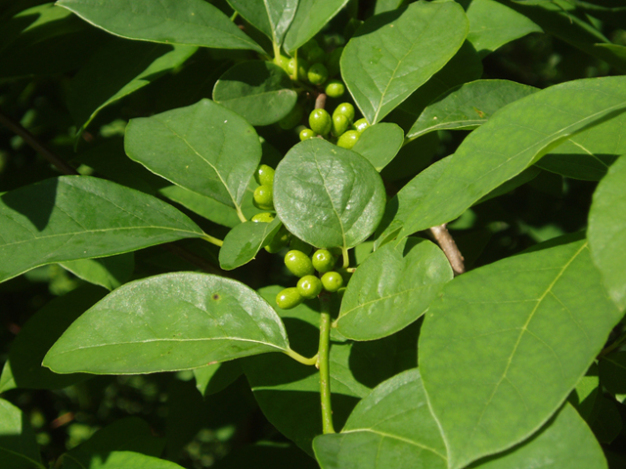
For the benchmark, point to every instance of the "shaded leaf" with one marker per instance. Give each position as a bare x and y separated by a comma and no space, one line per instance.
259,91
244,241
392,288
337,191
391,427
613,372
279,455
311,17
184,22
108,272
204,147
117,459
213,378
81,217
515,350
169,322
380,143
18,447
608,422
395,53
607,224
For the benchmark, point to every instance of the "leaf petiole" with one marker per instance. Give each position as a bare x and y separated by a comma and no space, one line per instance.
300,359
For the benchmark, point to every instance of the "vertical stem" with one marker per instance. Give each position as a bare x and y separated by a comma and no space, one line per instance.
324,364
346,257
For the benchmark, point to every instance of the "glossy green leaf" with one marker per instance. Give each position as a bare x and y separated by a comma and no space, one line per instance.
380,143
391,427
169,322
108,272
213,378
118,459
607,222
395,53
184,22
204,147
512,140
118,69
386,5
244,241
311,17
468,106
272,17
127,434
41,332
392,288
613,372
589,154
564,442
81,217
18,447
337,191
259,91
492,25
517,349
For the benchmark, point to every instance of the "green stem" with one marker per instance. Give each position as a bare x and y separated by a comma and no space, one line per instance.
276,51
213,240
300,359
234,16
240,214
346,258
324,364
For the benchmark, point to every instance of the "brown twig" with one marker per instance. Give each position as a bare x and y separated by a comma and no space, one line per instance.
320,101
30,139
449,247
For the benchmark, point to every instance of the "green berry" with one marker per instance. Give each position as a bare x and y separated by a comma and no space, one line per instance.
264,197
335,89
264,175
292,119
340,125
332,64
316,55
288,298
298,263
263,217
280,240
345,109
298,245
348,139
320,122
306,134
361,125
323,260
303,66
309,286
332,281
317,74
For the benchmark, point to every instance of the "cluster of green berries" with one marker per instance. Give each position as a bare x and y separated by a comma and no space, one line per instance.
309,285
340,126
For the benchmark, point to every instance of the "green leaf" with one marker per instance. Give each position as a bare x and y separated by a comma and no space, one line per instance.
585,395
392,288
589,154
517,349
118,459
272,17
204,147
607,222
337,191
513,139
394,53
18,447
108,272
244,241
468,106
81,217
41,332
613,372
184,22
608,422
127,434
169,322
213,378
259,91
380,143
564,442
6,378
391,427
266,453
492,25
311,17
118,69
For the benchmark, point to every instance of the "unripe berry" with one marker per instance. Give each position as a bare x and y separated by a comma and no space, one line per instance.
317,74
348,139
298,263
323,260
306,134
335,89
263,217
320,122
309,286
316,55
345,109
264,175
303,66
361,125
263,197
340,125
282,62
288,298
332,281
